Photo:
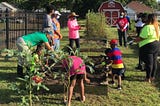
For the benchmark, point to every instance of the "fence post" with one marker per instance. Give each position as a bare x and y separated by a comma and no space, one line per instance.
38,19
7,28
26,23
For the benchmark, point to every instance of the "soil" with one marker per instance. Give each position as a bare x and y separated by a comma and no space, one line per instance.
95,78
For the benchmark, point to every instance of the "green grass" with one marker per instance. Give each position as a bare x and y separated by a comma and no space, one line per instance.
135,91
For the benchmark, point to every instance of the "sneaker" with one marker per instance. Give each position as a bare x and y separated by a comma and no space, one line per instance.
119,87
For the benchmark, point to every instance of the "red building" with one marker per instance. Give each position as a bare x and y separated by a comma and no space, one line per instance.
112,10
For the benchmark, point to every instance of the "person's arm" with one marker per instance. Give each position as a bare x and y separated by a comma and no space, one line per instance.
48,46
71,25
59,34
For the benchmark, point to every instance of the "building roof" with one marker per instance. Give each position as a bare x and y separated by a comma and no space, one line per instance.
9,6
139,7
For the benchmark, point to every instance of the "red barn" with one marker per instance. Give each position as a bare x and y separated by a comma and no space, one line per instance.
112,10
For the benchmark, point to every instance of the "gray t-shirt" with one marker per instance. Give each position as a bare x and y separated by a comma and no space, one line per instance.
47,25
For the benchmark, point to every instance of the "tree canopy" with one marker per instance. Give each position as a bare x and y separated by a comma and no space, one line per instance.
79,6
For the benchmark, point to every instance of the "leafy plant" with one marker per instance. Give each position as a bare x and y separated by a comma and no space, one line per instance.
96,25
32,79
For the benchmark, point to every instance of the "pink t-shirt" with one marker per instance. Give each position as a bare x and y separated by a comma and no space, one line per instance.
78,67
73,28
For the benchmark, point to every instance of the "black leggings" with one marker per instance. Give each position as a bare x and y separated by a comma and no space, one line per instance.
71,42
122,35
148,54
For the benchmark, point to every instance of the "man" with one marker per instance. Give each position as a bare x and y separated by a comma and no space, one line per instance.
28,41
48,26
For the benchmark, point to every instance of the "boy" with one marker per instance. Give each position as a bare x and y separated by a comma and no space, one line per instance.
117,64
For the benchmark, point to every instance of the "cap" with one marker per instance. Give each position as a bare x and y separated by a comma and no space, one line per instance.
114,41
73,14
57,13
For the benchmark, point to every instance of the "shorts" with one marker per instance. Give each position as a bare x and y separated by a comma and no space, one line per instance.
77,77
117,71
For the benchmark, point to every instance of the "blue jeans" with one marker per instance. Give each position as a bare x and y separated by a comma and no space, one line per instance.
56,44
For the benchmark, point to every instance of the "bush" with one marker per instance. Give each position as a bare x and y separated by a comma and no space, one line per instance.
96,25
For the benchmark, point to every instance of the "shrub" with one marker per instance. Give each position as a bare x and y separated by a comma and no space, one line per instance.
96,25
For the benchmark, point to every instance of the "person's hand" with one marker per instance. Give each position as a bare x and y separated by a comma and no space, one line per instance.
79,27
52,43
138,39
60,37
122,30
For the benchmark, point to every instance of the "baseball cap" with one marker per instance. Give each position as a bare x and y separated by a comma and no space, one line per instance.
57,13
114,41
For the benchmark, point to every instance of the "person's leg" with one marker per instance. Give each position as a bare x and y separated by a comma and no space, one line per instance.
154,66
148,66
139,67
56,44
124,34
119,81
71,41
77,43
113,78
81,85
155,55
70,93
120,37
21,48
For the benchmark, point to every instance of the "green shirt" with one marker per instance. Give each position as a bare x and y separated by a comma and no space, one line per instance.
35,38
148,34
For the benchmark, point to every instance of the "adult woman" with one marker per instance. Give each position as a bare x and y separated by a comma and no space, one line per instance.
57,33
27,41
149,46
122,24
73,30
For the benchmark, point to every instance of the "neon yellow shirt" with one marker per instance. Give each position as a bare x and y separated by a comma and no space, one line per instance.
148,34
35,59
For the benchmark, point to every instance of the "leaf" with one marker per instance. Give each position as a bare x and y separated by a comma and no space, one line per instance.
90,69
44,87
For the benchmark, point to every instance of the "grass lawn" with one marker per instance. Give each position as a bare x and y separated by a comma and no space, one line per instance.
135,92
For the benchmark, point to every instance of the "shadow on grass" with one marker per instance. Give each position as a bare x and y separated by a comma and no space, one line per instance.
10,77
8,68
126,55
56,93
6,96
135,78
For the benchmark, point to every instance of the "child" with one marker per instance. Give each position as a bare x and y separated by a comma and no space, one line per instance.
107,65
77,72
36,55
117,66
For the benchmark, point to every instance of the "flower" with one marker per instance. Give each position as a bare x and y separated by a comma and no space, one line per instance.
37,79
